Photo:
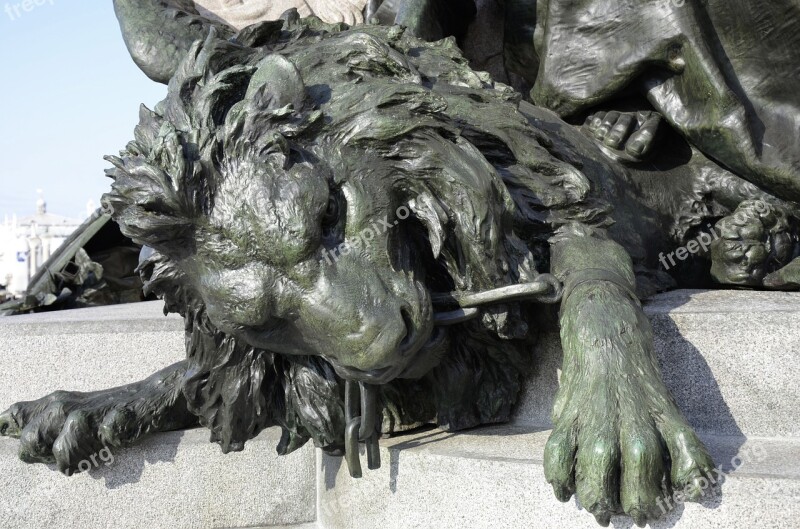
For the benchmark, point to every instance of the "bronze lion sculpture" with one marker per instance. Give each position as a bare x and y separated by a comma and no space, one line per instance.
355,227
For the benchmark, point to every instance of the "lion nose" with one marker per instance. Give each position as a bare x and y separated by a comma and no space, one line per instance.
391,336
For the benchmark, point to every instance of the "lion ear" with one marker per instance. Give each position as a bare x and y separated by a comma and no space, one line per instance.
279,81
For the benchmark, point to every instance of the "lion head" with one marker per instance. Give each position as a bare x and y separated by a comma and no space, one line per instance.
306,189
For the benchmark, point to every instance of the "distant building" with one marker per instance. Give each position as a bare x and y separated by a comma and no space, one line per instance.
27,242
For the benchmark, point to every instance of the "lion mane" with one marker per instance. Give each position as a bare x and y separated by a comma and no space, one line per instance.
417,106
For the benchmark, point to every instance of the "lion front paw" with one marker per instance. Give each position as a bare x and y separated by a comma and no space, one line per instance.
625,457
68,429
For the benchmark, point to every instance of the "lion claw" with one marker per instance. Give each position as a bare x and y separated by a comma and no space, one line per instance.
8,424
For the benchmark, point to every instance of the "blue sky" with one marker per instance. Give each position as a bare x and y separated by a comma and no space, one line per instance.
70,94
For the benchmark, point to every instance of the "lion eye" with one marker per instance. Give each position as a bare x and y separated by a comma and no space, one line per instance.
331,212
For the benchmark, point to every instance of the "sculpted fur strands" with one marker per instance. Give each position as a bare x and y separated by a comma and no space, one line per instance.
223,109
281,142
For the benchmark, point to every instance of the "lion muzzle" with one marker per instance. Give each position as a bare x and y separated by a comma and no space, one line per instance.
361,399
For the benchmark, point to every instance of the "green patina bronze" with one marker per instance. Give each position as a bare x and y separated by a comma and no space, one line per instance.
360,232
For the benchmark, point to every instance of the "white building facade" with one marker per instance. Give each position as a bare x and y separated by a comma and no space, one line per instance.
27,242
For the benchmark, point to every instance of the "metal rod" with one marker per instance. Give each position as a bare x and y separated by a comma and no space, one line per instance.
453,317
351,454
351,400
373,453
545,288
369,404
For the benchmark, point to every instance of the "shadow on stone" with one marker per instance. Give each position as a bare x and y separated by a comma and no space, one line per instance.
693,385
331,465
130,462
688,375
